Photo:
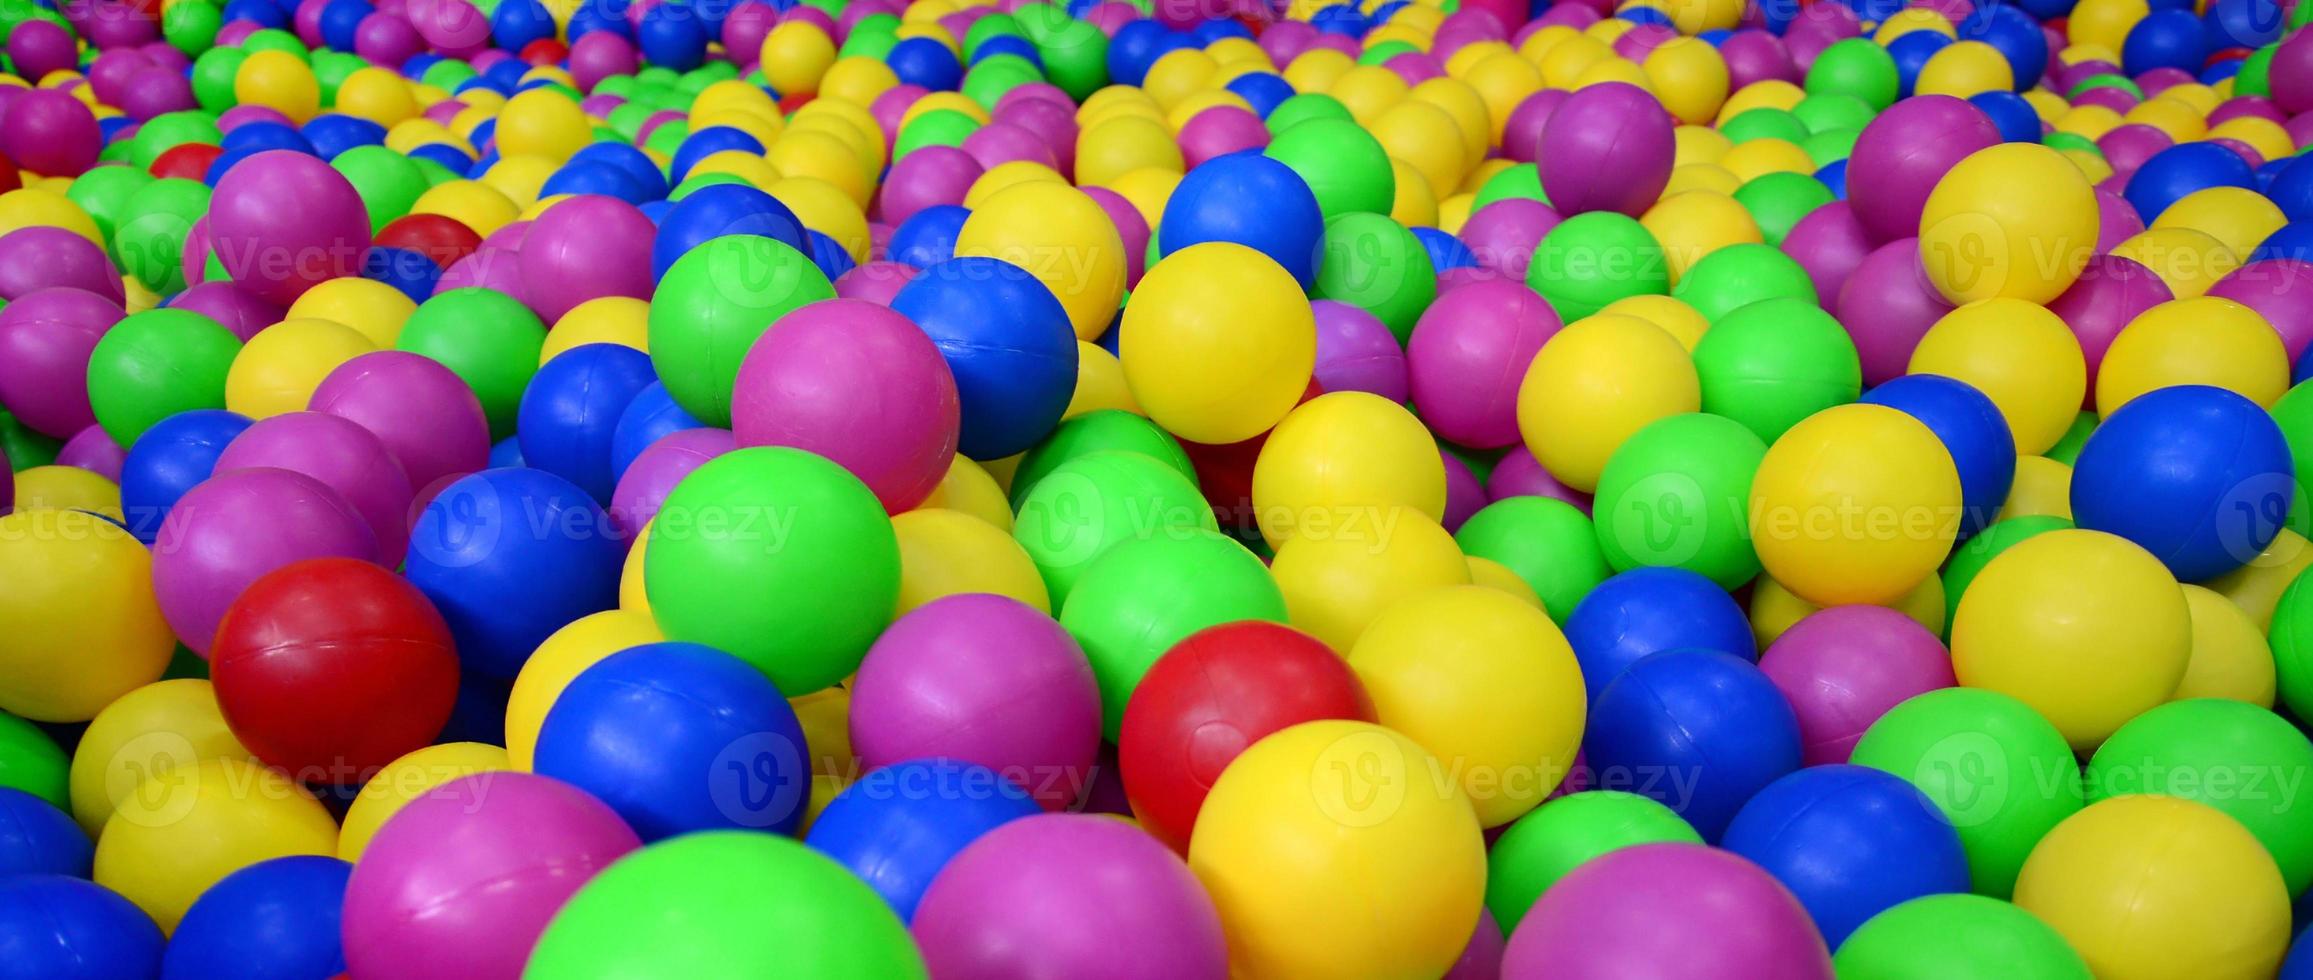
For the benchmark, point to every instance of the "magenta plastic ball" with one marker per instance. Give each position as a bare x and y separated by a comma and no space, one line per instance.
93,450
114,24
234,527
996,144
1415,67
600,55
1608,148
1670,911
426,416
1522,131
2290,75
1503,234
1887,305
1130,227
644,487
981,678
1829,243
2281,290
2116,220
236,31
108,75
2110,292
306,21
744,29
345,457
196,250
875,282
1024,901
2246,106
1219,131
1031,92
859,384
283,221
1819,26
2161,79
1459,276
156,92
1577,14
1468,355
37,47
2249,153
1464,494
454,27
1843,667
2127,147
1282,42
1482,958
1756,56
1357,352
238,309
40,257
47,131
1054,121
1519,474
1638,42
495,269
930,175
891,106
2114,99
459,882
588,247
1903,153
46,337
387,39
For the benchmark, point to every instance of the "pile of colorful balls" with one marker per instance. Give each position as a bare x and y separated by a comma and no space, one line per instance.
1191,489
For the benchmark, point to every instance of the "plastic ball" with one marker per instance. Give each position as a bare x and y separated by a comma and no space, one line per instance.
1591,260
1668,909
1957,936
1674,495
1343,164
493,856
40,838
1893,845
1217,374
2195,749
283,221
1843,668
899,841
68,927
1773,362
570,412
1988,346
1008,344
711,305
407,778
182,831
155,364
50,336
2014,220
1335,584
2216,452
2198,341
1251,200
272,918
1904,153
1341,454
802,386
1972,429
1871,532
508,556
429,418
1607,148
1716,704
1145,594
1596,383
2176,172
584,248
232,529
1375,264
1063,238
1561,835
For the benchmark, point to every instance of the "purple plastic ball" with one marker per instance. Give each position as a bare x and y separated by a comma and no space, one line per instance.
1482,958
930,175
2281,290
1830,244
1522,132
158,91
1357,352
1887,305
859,384
1843,667
1819,26
1503,234
1468,355
93,450
2290,75
644,487
1464,494
426,416
1519,474
40,257
238,309
46,337
2110,292
1219,131
1671,911
37,47
283,222
47,131
588,247
1754,56
340,454
997,143
874,282
1130,227
234,527
1608,148
387,40
2127,147
2116,220
602,54
1901,155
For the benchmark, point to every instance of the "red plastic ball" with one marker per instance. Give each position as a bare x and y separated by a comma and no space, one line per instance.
187,160
544,51
442,239
1212,696
330,668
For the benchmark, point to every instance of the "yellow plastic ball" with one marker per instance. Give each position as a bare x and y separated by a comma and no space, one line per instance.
1704,178
826,719
472,203
2257,586
969,488
1595,383
1147,190
162,726
818,155
557,661
1697,143
542,121
1695,224
1218,343
55,487
1614,70
2020,356
1567,60
2180,121
1503,81
825,208
2092,121
2230,658
280,81
2105,23
795,56
1464,106
1760,157
1177,74
1494,575
2265,136
1100,383
2015,220
2085,627
377,95
2042,488
1772,93
277,370
631,596
1331,851
184,829
79,625
1342,460
621,320
2147,887
2237,217
1316,69
373,309
1689,77
1855,504
2189,261
1487,684
1774,609
33,207
1674,316
1061,236
1915,19
2200,341
1368,91
857,79
1426,138
949,552
750,168
1412,202
1335,584
1964,69
1696,16
1115,147
407,778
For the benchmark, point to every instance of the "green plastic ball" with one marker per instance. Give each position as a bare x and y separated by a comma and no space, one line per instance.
1595,258
2294,413
2003,775
447,74
2292,636
990,27
168,131
1957,937
1098,501
104,193
32,762
730,903
992,77
1075,58
154,364
868,44
1970,556
1778,200
778,556
1547,543
2070,141
191,27
213,73
1377,265
1147,594
485,337
939,127
1302,107
1831,145
1826,111
1739,275
151,227
2237,757
1523,181
276,39
25,448
696,181
2255,76
1677,494
1856,67
2067,449
1565,833
1342,163
2105,80
1765,123
1109,428
712,305
1772,363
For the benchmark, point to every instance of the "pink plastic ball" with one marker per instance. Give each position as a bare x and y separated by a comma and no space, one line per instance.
426,416
387,40
1901,155
1829,243
1219,131
1519,474
283,222
2110,292
1357,352
36,258
1130,227
1843,667
1887,305
644,487
858,384
1503,234
981,678
46,337
1000,143
588,247
343,456
236,308
1467,357
458,884
234,527
931,175
1659,911
47,131
875,282
2281,290
93,450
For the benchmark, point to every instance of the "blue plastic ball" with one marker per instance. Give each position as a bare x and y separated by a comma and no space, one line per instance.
2165,39
829,255
593,16
509,555
38,838
928,237
1446,251
571,409
1649,610
2197,475
898,826
1261,90
594,178
273,920
2243,23
707,142
263,13
2018,122
680,737
650,416
1216,28
2299,965
407,270
2292,188
925,62
1971,428
444,154
1850,842
1834,176
169,459
2017,36
1018,47
58,928
1008,343
1136,46
2180,170
1344,19
1644,15
1698,731
331,134
719,210
268,135
1251,200
673,35
340,19
2293,241
516,23
1911,53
